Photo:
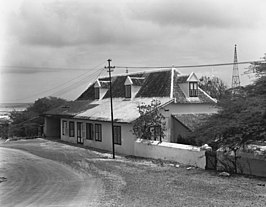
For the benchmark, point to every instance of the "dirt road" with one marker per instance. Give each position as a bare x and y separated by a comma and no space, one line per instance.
48,173
35,181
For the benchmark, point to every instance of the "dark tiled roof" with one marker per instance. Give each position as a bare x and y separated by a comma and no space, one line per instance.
153,84
118,89
71,108
88,94
157,84
178,94
191,121
204,98
180,79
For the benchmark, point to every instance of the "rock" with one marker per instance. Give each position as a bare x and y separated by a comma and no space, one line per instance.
205,147
224,174
177,165
189,168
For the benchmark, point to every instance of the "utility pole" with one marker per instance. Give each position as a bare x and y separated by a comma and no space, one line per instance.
111,102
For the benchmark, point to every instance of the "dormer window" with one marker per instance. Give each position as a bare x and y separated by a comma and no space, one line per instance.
97,87
128,91
193,85
128,87
193,89
97,93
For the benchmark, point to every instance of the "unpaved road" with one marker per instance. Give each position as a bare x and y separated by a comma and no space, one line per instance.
35,181
40,172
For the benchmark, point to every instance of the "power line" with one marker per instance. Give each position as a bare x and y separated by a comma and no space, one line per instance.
79,83
65,83
43,67
188,66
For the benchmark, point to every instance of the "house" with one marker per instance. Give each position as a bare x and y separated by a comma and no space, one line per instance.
87,119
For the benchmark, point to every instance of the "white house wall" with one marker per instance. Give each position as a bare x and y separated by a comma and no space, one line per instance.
175,108
127,138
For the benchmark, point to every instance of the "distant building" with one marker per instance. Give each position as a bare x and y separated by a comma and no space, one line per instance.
87,120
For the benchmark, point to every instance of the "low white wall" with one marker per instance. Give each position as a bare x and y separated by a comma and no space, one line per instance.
184,154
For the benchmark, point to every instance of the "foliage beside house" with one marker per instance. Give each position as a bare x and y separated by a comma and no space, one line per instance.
29,122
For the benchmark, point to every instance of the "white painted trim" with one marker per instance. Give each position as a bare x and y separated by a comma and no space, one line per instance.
192,78
215,100
172,83
128,81
97,84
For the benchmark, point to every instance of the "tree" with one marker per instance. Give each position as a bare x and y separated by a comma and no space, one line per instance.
259,68
241,118
4,124
26,123
214,86
150,124
44,104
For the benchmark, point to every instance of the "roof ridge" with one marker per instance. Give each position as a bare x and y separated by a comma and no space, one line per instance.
138,72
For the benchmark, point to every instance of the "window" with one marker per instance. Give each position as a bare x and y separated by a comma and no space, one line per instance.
97,93
98,132
89,131
64,127
117,135
193,89
71,129
128,91
79,129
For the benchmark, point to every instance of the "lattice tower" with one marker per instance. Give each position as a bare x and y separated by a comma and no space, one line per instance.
235,76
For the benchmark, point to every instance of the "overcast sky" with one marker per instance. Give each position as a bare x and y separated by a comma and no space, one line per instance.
43,37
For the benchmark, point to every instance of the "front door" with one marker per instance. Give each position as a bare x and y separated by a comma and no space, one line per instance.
79,133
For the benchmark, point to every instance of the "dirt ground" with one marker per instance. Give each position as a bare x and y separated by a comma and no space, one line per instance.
83,177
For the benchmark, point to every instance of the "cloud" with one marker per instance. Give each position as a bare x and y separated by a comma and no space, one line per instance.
72,23
200,13
72,33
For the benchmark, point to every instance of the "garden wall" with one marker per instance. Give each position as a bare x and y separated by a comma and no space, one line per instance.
184,154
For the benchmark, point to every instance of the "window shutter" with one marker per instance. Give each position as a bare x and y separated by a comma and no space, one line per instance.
83,131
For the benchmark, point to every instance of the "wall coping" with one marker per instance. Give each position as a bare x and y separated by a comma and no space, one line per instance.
169,145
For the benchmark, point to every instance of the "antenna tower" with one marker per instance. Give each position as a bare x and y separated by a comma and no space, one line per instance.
235,77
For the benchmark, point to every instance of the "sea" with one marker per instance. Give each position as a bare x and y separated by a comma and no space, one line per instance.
6,108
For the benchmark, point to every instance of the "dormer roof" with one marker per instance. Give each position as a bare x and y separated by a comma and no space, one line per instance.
192,78
128,81
97,84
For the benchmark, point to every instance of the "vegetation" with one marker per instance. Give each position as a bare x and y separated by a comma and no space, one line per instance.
214,86
150,124
28,123
241,118
4,128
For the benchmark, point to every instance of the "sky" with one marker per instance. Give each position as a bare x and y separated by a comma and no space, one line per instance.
58,47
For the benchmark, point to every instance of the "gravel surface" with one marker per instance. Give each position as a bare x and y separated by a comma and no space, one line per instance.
129,181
